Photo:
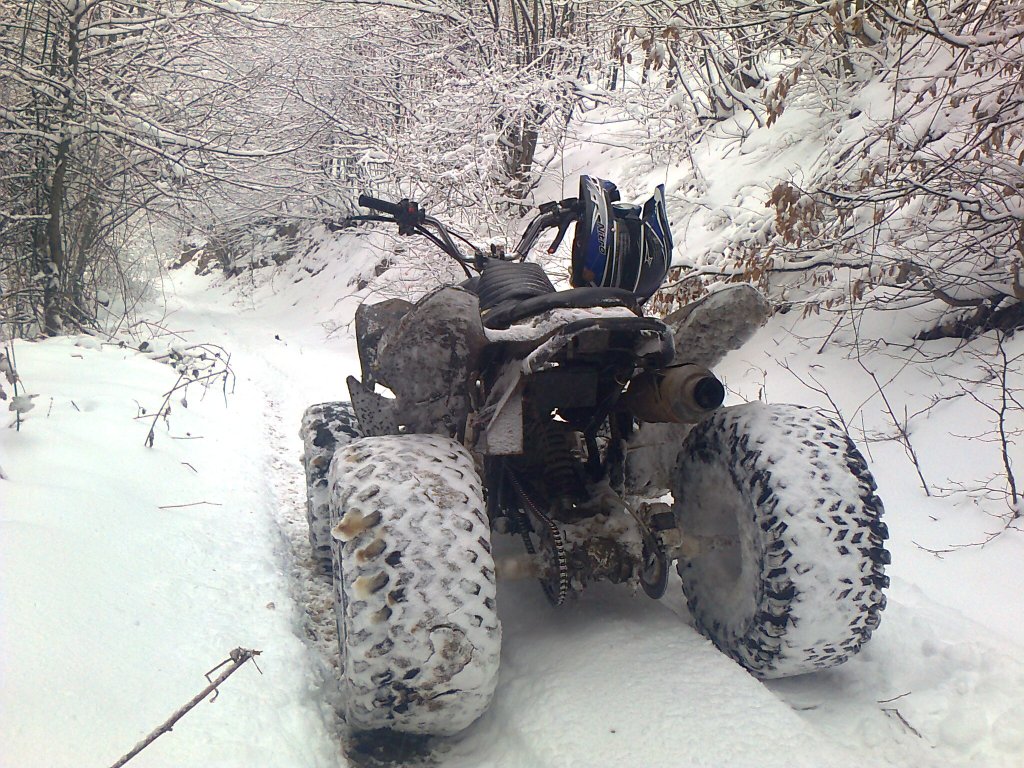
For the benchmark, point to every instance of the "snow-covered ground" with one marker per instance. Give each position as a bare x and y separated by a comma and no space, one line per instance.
128,572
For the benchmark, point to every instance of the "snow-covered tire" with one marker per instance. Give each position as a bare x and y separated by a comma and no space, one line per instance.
414,585
789,571
325,428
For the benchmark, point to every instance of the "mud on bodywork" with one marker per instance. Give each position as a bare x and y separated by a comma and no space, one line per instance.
424,354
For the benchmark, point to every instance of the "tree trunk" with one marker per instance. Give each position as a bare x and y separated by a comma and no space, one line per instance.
521,147
54,295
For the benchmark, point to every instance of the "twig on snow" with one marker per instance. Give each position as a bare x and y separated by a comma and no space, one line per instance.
894,698
236,659
191,504
989,538
903,720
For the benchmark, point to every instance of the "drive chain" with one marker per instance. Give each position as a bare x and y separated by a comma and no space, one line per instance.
556,586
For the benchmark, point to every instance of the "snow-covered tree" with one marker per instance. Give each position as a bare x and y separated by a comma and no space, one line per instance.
111,108
455,96
917,188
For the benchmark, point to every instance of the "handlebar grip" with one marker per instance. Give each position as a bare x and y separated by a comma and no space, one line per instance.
377,204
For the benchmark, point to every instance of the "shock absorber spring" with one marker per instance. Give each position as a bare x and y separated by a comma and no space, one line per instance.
557,441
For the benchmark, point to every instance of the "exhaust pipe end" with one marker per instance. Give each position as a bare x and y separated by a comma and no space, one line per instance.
684,394
709,393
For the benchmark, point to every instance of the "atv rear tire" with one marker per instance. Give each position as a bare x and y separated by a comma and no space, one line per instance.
325,428
414,585
789,568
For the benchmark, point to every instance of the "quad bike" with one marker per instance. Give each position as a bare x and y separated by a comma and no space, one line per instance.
595,434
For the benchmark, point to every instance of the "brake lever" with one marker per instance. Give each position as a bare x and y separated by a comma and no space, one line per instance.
567,218
552,214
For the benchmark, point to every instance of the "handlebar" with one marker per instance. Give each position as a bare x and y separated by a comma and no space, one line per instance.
411,219
376,204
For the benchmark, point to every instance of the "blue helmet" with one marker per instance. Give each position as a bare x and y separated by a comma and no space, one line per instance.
620,245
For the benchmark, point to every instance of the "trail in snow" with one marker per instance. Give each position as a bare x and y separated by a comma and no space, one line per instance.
127,572
615,679
607,681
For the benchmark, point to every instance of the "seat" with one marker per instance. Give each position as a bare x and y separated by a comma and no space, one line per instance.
505,313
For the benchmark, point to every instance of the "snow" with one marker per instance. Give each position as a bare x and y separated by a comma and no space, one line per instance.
114,608
127,572
615,679
130,572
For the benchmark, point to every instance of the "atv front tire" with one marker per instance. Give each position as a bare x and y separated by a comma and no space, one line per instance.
787,570
414,585
325,428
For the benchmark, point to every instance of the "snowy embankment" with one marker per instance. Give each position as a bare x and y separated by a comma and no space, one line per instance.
128,572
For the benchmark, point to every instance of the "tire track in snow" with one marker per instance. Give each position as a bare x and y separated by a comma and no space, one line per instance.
311,591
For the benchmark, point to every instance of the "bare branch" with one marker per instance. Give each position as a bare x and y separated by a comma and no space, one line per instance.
236,659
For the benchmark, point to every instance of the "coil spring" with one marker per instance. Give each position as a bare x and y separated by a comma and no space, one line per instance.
556,451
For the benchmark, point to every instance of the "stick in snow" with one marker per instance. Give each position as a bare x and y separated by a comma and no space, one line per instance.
191,503
236,659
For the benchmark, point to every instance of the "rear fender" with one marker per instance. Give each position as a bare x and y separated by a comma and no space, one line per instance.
711,327
374,322
427,361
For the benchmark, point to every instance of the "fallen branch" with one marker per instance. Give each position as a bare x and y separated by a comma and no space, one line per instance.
235,659
894,698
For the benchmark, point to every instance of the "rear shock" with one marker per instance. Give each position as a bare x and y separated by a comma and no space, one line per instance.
561,469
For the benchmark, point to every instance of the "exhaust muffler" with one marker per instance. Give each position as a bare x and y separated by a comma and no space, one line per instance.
683,394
